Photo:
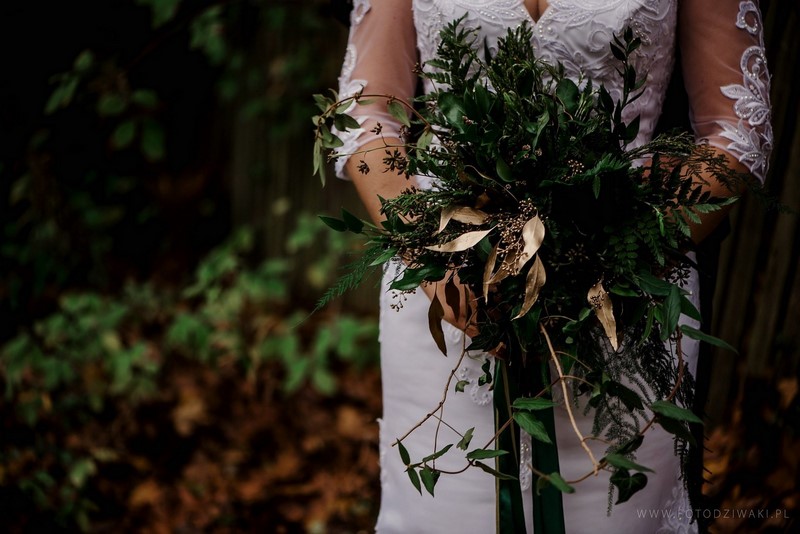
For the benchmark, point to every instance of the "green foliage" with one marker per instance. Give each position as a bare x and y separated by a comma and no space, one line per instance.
99,354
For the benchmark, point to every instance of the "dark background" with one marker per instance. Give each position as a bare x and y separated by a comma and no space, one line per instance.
160,252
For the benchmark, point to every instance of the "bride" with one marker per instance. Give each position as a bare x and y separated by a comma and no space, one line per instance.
724,68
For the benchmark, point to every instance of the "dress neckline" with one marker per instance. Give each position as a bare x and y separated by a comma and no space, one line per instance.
535,21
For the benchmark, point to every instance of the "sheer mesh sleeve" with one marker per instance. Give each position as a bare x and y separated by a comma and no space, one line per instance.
380,58
726,76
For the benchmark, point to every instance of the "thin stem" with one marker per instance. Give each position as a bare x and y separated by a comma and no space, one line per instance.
567,402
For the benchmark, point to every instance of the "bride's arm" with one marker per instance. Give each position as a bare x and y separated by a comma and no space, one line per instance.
727,82
380,59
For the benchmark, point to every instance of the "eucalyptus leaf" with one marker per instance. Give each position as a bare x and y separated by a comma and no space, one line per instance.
532,425
482,454
438,454
617,460
699,335
429,478
465,439
532,403
412,474
668,409
399,112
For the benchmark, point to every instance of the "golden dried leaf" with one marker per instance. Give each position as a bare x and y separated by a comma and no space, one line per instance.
461,214
467,215
435,316
600,301
462,242
533,285
444,218
488,271
533,234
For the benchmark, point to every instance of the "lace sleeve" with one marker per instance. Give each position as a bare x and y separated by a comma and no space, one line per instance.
726,77
380,58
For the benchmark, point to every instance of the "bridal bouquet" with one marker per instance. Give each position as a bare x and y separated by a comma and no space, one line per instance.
567,244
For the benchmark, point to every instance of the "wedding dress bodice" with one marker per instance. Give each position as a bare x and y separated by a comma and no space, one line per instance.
721,44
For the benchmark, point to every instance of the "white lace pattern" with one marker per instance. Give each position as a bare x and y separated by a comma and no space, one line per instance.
750,138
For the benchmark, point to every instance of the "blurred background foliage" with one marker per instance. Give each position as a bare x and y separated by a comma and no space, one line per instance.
160,254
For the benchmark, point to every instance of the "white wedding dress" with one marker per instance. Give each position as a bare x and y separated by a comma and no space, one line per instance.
728,88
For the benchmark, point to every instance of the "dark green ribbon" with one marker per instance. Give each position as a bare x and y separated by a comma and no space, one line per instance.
548,509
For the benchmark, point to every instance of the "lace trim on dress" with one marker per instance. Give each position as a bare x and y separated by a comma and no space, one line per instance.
677,516
349,87
480,394
751,138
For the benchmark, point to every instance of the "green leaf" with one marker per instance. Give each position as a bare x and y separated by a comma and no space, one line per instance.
618,52
425,139
460,385
437,454
503,170
62,95
631,446
403,453
465,439
568,93
345,122
629,398
429,478
622,462
632,130
452,108
689,310
412,474
84,61
110,104
668,409
676,428
354,224
398,111
654,285
494,472
162,10
627,484
384,256
152,141
335,224
146,98
559,483
123,134
532,403
414,277
482,454
671,312
699,335
530,424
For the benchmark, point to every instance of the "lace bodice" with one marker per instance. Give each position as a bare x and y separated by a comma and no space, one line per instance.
721,45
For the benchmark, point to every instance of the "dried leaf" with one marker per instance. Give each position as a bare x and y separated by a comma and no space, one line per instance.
461,214
435,316
533,235
600,301
452,295
533,284
488,271
462,242
467,215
